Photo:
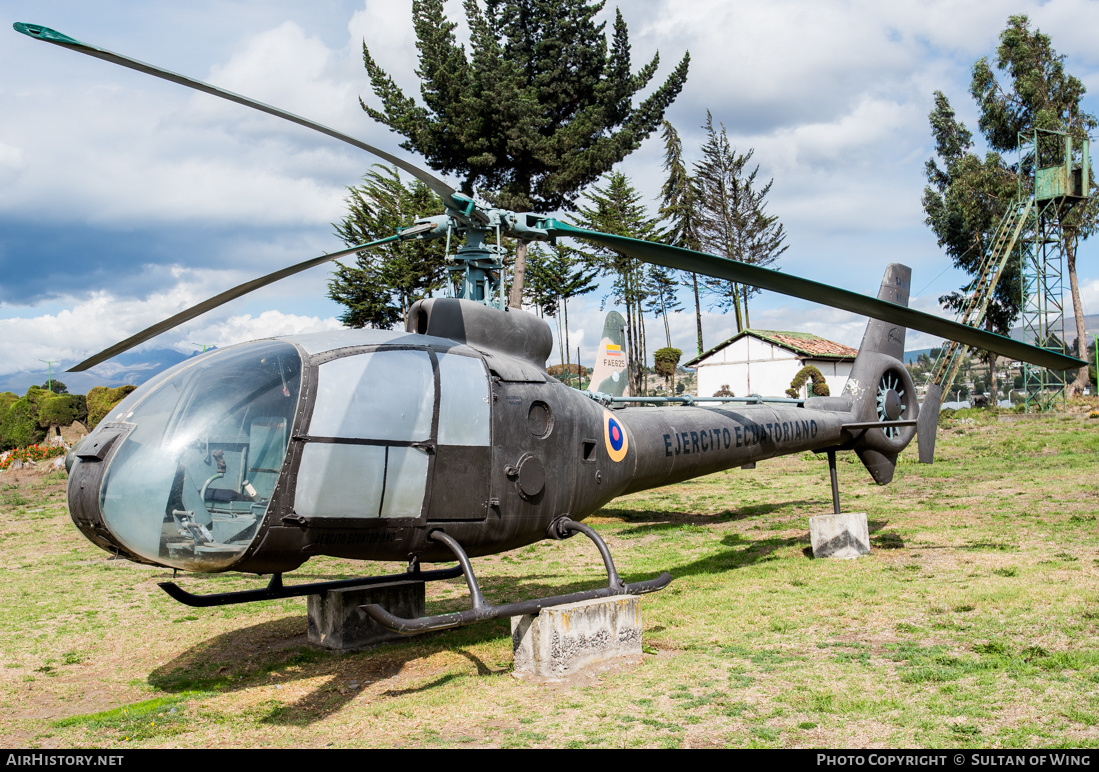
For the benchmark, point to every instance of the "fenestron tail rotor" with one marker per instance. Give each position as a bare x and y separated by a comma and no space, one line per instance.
890,399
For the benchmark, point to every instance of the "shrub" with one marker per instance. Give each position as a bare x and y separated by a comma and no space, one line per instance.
102,400
20,427
558,371
820,387
62,410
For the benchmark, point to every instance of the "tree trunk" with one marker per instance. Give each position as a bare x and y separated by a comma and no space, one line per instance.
993,380
518,272
1076,388
698,313
568,353
667,327
562,344
736,306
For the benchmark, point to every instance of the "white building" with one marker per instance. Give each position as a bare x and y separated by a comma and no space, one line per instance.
765,362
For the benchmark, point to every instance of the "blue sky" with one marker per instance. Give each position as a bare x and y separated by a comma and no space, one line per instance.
124,199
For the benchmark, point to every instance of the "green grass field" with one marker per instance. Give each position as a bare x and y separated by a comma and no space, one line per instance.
973,623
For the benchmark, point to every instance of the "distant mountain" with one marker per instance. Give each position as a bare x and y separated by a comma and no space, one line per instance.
1091,324
129,368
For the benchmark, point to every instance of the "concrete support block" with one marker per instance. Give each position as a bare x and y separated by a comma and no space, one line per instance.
845,535
562,640
335,621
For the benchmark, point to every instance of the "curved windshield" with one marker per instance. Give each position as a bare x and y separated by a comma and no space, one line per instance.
193,479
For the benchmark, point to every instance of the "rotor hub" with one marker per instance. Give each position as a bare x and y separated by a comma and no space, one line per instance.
894,408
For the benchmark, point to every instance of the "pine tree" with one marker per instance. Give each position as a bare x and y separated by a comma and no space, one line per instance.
386,280
661,297
555,276
538,109
679,208
964,201
734,222
617,209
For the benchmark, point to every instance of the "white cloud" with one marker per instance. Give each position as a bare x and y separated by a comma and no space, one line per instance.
101,320
833,97
237,329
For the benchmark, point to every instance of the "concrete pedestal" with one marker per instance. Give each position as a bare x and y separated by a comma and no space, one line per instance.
335,621
845,535
562,640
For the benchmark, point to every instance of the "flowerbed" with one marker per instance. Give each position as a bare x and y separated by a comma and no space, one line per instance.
33,453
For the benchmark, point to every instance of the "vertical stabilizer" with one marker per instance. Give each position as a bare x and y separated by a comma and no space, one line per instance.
610,373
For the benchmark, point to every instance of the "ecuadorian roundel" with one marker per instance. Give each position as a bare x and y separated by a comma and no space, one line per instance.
614,437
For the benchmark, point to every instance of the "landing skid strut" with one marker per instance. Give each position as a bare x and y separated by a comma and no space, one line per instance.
276,590
483,611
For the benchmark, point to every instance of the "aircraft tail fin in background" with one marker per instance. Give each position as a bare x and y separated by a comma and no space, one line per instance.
610,374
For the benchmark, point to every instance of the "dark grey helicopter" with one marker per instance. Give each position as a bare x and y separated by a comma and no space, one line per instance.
448,440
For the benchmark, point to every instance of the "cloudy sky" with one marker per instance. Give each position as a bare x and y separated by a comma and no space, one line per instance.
124,199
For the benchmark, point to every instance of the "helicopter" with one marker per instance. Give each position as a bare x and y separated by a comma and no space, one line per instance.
256,457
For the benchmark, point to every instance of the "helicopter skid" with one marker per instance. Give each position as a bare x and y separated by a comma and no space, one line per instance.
482,611
485,613
275,589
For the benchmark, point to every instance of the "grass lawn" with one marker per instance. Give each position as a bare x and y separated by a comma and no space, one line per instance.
974,622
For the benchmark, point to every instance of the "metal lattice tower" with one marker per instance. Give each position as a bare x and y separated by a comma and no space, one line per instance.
992,267
1055,175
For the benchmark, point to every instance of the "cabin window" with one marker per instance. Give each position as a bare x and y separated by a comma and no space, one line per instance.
340,480
464,399
382,395
369,439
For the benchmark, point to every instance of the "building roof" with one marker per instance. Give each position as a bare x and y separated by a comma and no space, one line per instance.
803,343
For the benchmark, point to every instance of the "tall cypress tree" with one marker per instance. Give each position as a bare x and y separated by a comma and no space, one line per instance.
539,108
734,222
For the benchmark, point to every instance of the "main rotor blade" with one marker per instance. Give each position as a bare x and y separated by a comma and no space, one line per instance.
217,300
48,35
722,268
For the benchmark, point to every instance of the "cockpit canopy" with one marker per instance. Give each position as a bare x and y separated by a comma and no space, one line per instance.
197,469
